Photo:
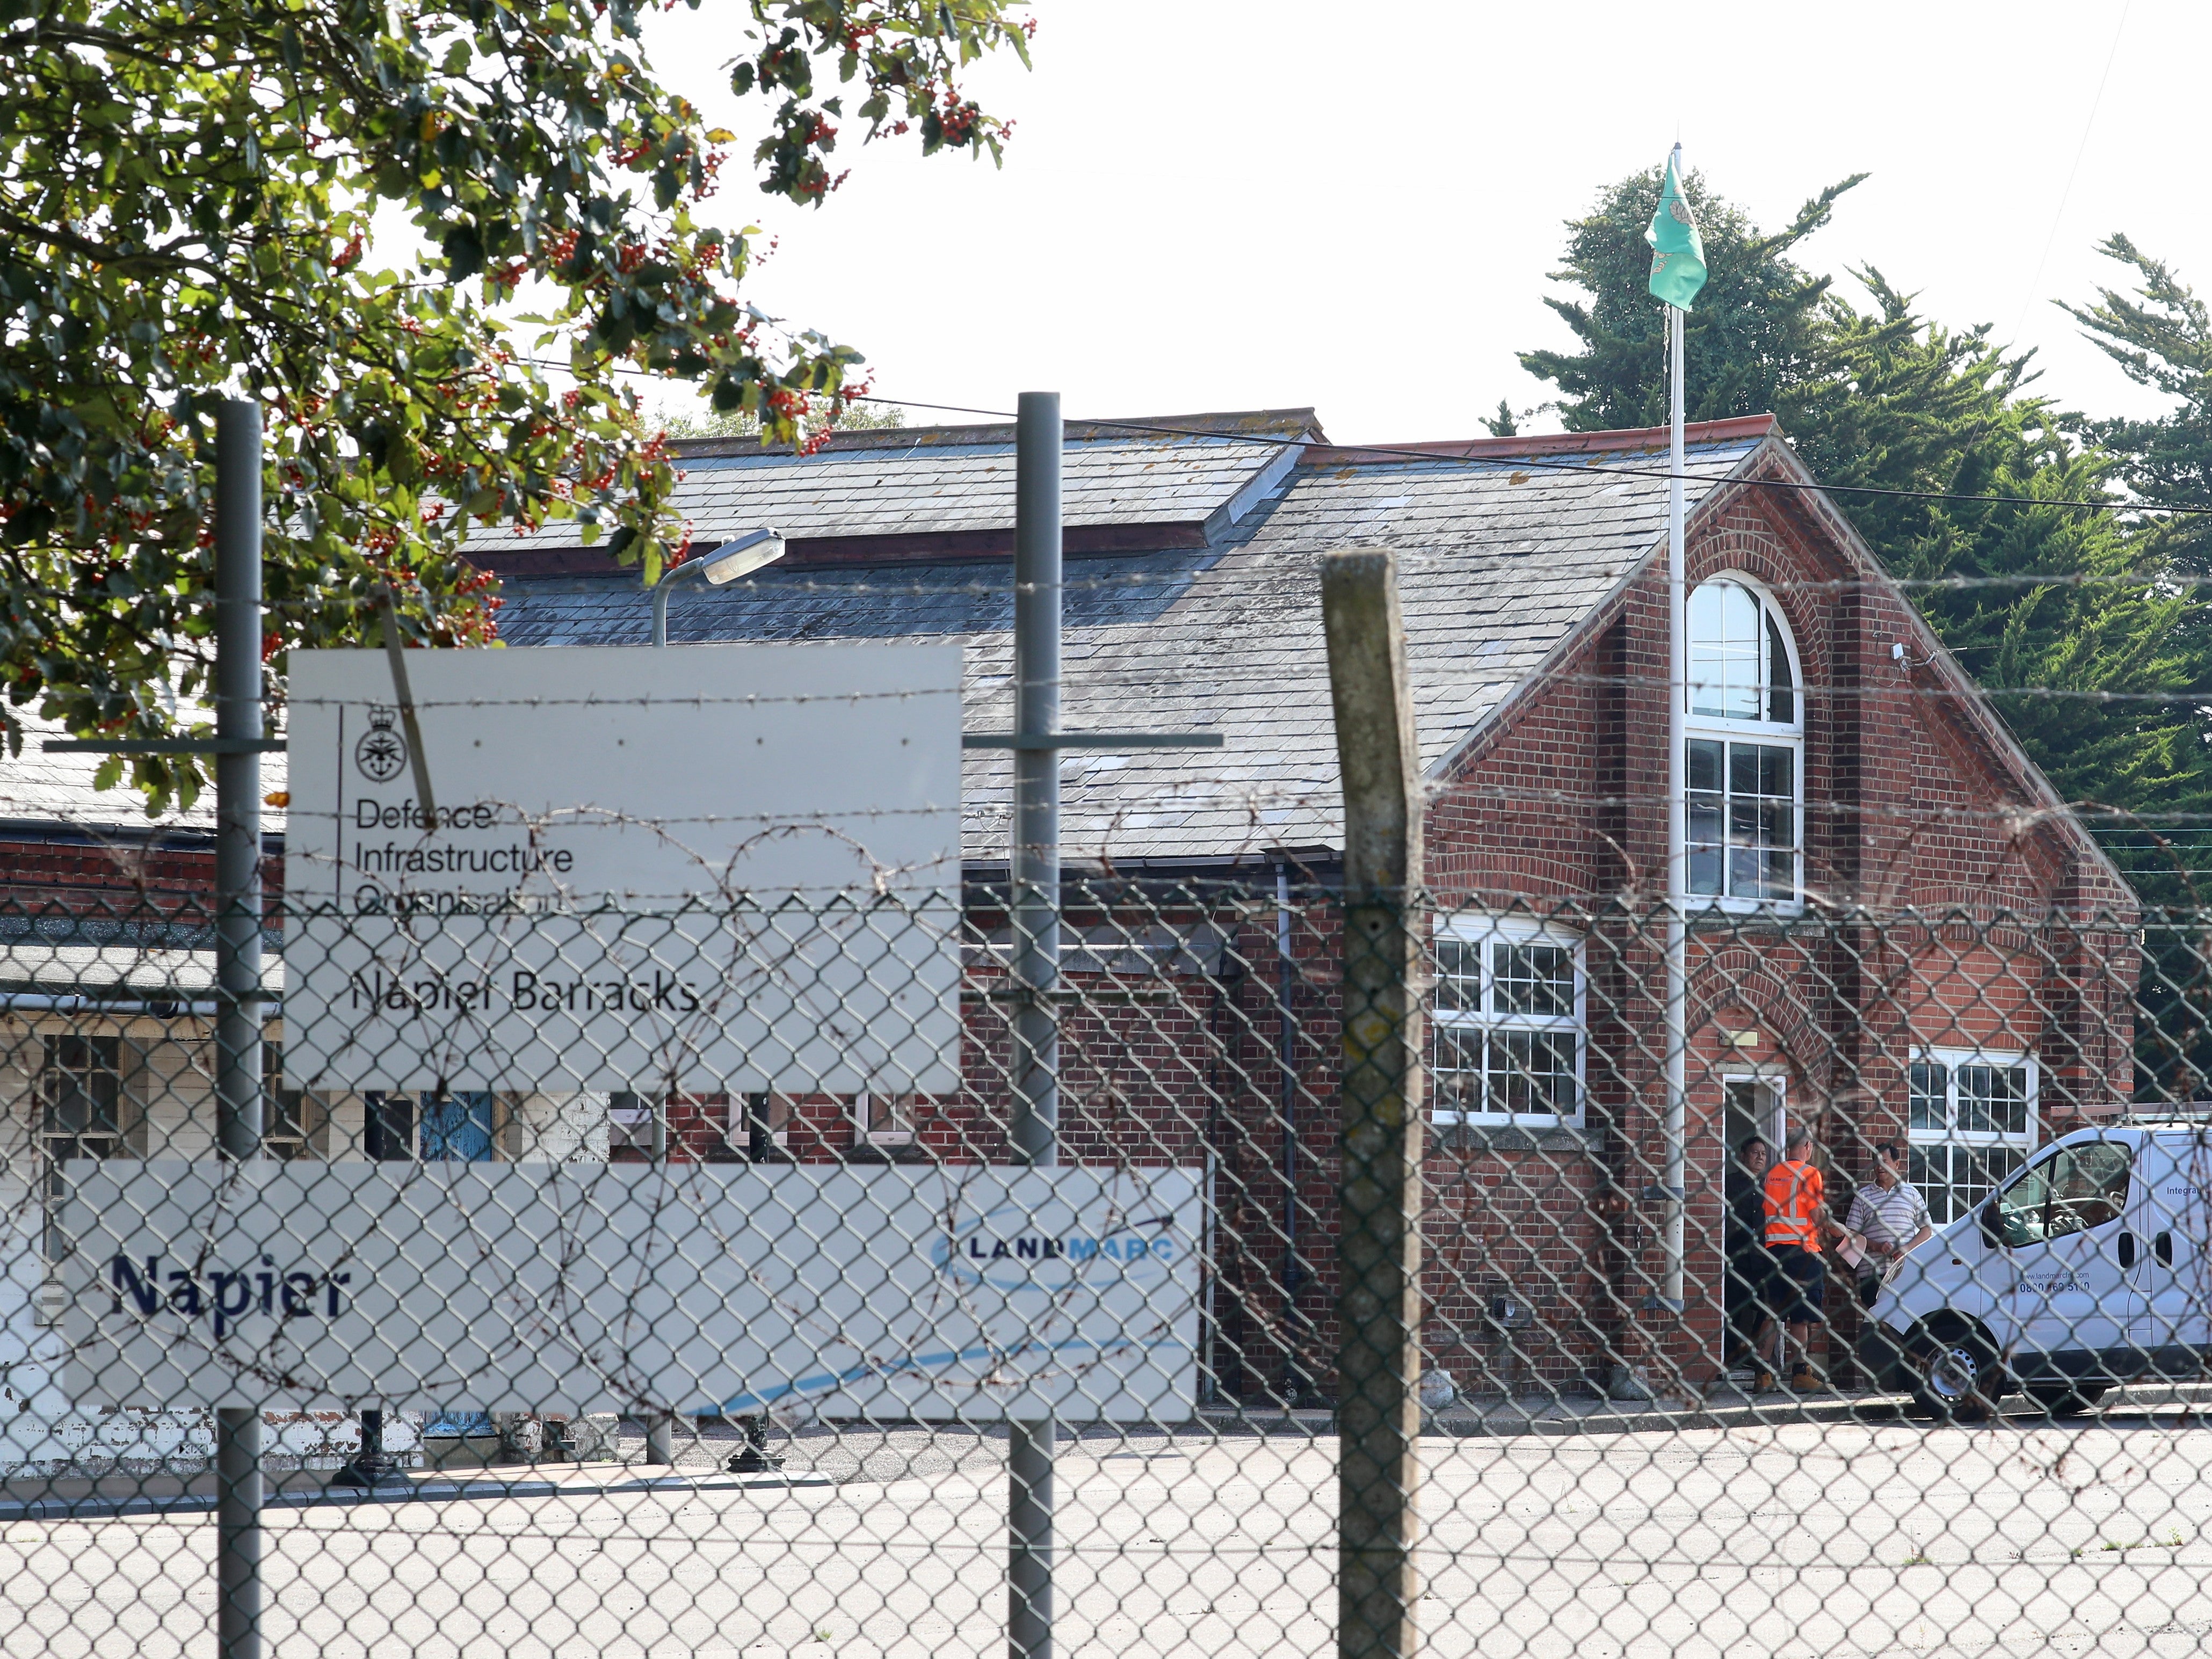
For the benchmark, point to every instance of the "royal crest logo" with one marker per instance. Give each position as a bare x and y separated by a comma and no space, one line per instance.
382,754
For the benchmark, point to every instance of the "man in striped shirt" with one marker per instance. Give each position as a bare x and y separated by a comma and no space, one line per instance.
1892,1216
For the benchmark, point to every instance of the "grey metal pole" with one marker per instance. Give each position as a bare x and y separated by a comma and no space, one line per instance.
1034,867
660,1427
1673,1165
238,970
662,591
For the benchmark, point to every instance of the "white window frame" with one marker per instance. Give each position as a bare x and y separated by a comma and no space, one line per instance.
2017,1146
629,1121
1482,932
1772,734
782,1108
899,1131
58,1080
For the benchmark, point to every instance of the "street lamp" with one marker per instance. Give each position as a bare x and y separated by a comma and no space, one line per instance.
725,563
741,557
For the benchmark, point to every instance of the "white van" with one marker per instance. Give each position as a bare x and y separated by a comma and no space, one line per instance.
2088,1268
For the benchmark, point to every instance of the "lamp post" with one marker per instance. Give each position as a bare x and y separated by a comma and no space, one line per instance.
739,557
389,1125
725,563
752,1455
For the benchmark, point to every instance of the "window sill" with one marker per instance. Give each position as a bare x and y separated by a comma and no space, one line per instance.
896,1151
1514,1137
1697,906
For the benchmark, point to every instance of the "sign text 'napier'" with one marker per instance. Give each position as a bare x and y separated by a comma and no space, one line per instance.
957,1292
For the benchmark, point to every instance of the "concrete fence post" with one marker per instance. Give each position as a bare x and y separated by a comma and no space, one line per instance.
1379,1267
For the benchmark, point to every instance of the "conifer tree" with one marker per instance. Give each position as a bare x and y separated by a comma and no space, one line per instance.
2069,616
2161,335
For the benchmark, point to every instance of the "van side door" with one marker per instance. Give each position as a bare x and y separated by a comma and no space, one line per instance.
2174,1327
2061,1221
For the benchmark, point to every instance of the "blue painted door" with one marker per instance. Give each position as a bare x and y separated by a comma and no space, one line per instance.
457,1129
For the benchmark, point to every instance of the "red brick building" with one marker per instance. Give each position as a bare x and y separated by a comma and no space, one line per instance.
1897,928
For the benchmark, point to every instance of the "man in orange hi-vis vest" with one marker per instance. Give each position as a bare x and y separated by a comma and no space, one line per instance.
1796,1217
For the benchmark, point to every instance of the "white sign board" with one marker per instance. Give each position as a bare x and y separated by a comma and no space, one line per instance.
948,1293
724,867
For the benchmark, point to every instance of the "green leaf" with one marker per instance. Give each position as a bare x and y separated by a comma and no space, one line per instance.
464,252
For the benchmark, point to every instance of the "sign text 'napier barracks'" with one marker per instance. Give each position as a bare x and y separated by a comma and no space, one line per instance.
733,868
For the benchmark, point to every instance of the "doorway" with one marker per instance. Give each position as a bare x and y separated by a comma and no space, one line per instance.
1753,1105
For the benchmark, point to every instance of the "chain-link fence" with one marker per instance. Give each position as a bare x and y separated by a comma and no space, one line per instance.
1882,1330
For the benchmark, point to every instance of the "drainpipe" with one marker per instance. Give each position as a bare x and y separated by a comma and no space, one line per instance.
1210,1389
1296,1384
42,1002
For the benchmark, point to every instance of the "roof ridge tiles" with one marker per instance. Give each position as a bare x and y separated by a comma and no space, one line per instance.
1290,425
1625,440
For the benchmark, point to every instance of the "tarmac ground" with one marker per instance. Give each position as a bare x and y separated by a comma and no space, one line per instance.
1794,1527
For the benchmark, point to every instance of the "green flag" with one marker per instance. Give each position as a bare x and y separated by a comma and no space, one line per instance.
1678,253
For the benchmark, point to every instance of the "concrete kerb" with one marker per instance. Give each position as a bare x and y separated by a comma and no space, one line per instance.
1570,1414
2184,1406
412,1489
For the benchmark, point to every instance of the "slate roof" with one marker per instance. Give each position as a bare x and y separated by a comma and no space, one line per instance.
38,788
1214,631
956,481
1500,561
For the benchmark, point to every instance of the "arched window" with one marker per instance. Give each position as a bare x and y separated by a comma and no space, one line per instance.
1740,658
1744,759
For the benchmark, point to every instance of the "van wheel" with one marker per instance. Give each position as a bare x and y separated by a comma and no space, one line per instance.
1955,1377
2069,1403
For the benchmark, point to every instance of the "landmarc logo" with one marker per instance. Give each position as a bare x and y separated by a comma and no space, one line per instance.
973,1252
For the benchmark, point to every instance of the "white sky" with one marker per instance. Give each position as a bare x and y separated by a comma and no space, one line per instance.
1240,203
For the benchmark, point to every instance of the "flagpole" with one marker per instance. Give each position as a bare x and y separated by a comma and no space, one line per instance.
1675,1177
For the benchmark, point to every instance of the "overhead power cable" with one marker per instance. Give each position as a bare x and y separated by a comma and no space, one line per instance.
1519,463
1515,462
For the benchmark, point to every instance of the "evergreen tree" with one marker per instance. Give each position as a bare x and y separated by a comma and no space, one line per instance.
2161,335
1752,341
2068,616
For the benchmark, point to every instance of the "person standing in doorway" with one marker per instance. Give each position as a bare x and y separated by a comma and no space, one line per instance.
1749,1290
1796,1217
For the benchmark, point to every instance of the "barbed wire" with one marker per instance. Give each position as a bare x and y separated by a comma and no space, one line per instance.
1514,462
1434,684
1317,803
643,699
1506,462
1233,556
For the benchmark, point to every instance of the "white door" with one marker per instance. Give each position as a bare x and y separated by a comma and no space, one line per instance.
1754,1105
2062,1225
2173,1326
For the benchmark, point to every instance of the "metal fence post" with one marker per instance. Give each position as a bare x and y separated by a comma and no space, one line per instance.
1378,1295
1034,868
660,1426
238,969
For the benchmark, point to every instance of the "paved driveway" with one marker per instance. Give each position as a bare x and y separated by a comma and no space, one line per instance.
1810,1538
